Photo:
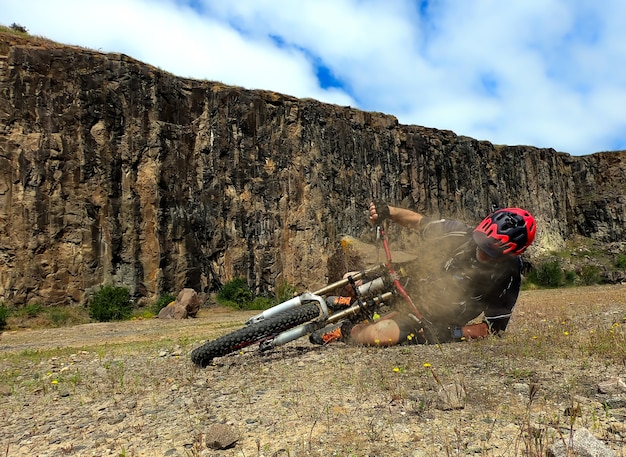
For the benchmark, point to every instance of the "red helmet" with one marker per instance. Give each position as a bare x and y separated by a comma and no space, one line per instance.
505,231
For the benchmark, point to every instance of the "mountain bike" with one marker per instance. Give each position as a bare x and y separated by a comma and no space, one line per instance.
357,297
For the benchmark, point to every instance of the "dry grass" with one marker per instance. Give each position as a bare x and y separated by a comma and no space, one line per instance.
524,391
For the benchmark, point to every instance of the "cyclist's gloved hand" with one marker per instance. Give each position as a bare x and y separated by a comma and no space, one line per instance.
381,209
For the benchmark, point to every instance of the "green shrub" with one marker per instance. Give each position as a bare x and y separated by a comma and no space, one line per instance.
590,274
18,28
4,314
31,310
161,303
235,294
261,303
570,277
110,304
548,274
621,262
60,317
284,292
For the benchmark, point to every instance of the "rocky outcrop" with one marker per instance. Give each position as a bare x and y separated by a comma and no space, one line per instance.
187,304
113,171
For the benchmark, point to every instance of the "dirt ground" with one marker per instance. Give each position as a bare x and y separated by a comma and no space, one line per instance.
128,388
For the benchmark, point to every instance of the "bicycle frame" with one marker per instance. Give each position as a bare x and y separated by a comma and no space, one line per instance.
301,315
364,290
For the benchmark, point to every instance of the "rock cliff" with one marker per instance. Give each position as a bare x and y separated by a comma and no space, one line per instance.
115,172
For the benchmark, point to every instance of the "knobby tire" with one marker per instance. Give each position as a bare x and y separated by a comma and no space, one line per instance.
253,333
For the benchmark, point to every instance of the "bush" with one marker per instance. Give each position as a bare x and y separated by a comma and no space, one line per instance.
235,294
570,277
4,314
284,292
31,310
110,304
548,274
590,275
161,303
18,28
261,303
621,262
60,317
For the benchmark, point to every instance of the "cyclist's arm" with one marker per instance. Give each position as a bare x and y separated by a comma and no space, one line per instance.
497,315
405,217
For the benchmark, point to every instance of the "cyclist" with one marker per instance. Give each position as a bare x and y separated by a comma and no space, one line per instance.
473,271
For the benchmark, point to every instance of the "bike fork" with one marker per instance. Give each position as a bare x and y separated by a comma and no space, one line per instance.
289,304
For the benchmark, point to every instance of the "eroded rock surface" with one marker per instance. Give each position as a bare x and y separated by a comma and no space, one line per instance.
112,171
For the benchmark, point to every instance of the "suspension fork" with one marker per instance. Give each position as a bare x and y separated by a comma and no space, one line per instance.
315,296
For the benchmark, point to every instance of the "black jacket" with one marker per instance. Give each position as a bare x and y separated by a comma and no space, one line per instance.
457,288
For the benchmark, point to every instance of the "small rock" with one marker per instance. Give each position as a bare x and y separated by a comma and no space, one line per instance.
617,427
419,453
221,436
615,402
117,419
583,444
612,386
521,388
452,396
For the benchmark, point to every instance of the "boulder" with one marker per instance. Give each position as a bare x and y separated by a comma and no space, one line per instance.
187,304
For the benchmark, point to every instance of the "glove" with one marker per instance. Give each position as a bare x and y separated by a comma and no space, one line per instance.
469,332
382,209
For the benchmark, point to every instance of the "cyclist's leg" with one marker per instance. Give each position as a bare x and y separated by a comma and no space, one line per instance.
393,328
384,332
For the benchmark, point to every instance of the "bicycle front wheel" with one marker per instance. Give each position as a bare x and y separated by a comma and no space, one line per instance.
253,333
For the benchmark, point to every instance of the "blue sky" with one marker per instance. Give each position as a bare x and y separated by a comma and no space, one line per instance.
546,73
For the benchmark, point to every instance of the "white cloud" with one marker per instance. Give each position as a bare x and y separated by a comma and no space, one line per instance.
547,73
